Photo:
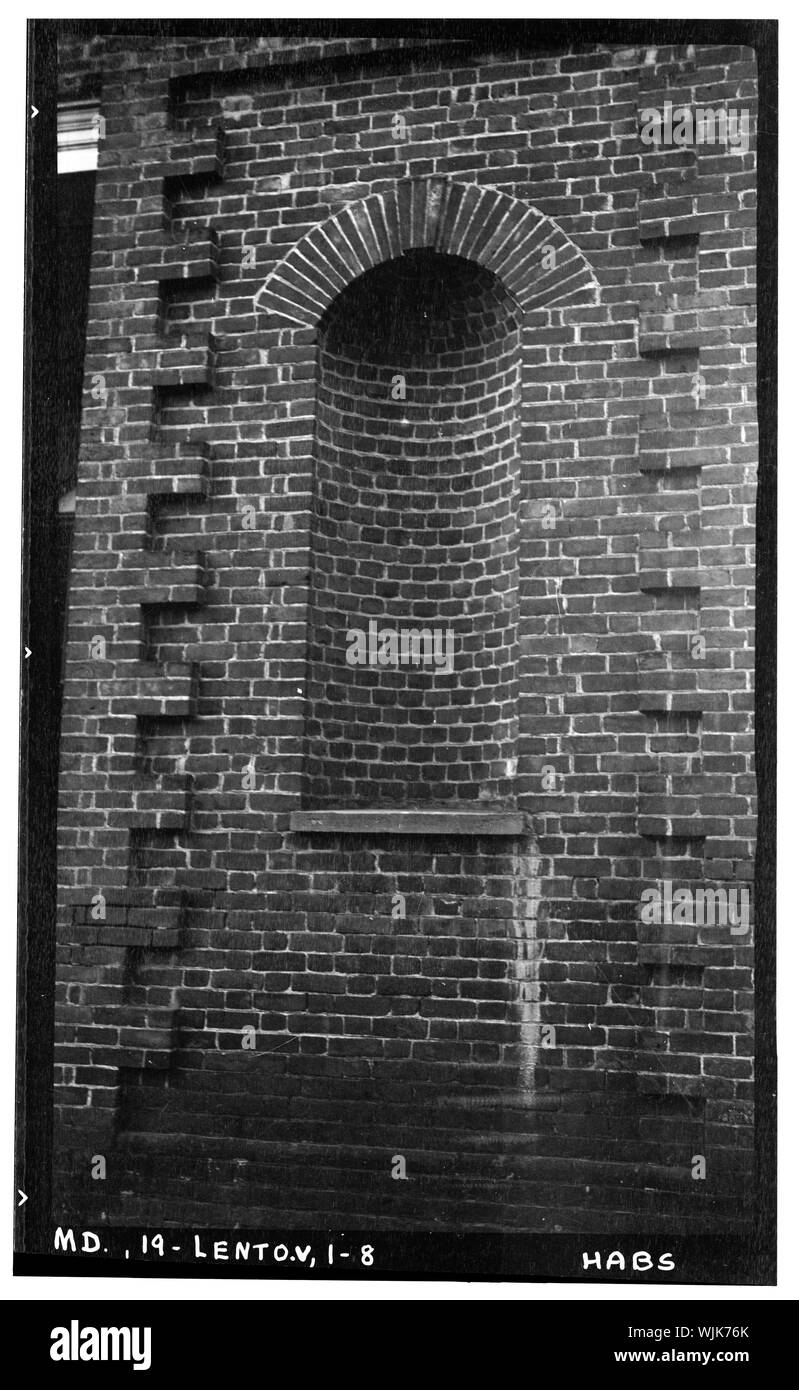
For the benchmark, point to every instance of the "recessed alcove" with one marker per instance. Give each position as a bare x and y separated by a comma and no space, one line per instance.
412,659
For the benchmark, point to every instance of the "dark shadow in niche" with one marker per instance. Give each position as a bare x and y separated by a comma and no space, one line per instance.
412,659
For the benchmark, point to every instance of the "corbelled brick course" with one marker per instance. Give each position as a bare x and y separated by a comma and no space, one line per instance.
257,1011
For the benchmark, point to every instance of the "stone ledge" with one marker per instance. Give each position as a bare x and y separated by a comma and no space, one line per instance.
410,822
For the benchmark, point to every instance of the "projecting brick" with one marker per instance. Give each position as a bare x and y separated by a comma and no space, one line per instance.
199,156
672,702
171,577
687,208
186,361
147,690
666,826
163,804
193,258
188,477
653,580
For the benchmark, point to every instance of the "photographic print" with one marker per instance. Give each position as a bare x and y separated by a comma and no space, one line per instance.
397,823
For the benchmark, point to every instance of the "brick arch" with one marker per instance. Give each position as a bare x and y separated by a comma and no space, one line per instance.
500,232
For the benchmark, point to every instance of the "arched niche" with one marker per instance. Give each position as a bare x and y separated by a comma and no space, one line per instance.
417,297
411,691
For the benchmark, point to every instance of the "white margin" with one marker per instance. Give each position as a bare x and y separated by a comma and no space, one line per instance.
14,98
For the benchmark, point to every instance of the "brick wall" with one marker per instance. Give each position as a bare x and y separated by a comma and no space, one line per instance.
416,529
259,1007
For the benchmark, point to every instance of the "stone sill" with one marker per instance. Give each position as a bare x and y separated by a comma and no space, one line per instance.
410,822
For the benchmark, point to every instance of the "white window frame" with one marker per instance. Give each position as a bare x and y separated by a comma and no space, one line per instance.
80,130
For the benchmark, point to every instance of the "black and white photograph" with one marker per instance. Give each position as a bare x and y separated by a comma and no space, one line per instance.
397,888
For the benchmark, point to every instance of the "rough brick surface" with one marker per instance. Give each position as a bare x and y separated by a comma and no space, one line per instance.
568,484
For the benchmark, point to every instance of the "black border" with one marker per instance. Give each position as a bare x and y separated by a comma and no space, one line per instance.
437,1256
